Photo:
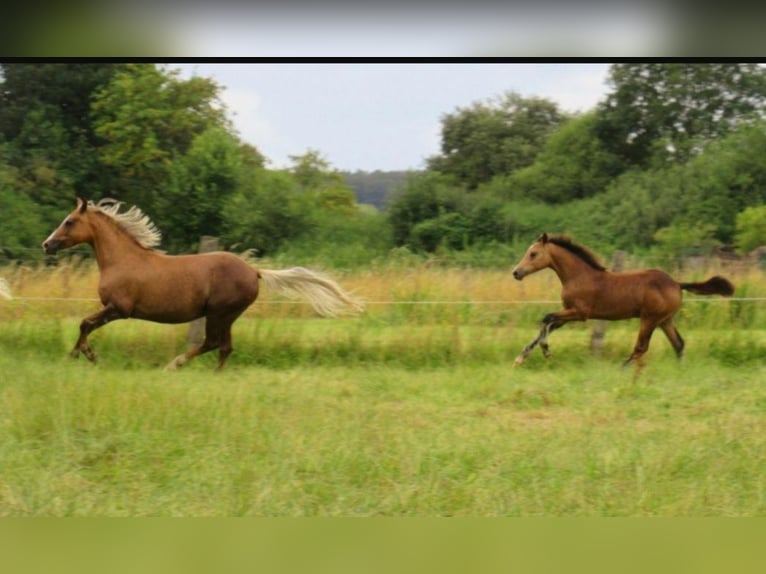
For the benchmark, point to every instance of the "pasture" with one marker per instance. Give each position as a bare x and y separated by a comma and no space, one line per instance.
413,409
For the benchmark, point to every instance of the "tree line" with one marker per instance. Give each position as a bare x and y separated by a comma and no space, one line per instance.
671,159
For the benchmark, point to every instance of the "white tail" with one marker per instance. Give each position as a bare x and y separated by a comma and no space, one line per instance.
5,290
324,294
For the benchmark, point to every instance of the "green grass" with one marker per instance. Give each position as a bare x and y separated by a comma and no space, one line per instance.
387,415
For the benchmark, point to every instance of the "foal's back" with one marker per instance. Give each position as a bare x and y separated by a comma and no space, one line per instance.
631,294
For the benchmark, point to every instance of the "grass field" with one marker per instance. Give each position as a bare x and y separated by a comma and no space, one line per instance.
412,410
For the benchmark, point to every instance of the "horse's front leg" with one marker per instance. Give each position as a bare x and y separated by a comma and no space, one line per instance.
90,324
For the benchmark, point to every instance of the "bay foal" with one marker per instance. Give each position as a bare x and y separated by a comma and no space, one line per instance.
589,291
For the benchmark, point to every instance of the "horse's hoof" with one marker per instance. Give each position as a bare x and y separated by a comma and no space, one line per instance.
518,361
75,353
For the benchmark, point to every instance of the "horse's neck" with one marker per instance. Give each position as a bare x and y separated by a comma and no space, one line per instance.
113,247
568,266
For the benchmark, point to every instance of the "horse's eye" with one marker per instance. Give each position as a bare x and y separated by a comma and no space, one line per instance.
69,223
533,255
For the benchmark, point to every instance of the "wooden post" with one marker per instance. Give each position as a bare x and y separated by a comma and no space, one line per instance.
599,329
196,334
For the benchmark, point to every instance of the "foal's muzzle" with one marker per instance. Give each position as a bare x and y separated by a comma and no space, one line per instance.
518,274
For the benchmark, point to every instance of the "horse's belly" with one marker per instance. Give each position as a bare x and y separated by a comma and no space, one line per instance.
169,314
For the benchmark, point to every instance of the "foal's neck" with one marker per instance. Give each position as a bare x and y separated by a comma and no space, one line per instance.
569,266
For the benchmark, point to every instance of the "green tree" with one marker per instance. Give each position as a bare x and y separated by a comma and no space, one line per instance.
45,121
316,177
751,228
147,117
495,137
423,198
573,163
20,222
265,212
686,239
660,112
201,182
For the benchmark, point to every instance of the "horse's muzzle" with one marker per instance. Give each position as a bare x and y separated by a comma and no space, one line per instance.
51,246
518,274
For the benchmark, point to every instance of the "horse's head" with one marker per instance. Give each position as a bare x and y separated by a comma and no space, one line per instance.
537,257
75,229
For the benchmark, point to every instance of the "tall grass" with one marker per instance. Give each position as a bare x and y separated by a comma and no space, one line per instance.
411,409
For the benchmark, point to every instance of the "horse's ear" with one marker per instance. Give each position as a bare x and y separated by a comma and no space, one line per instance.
82,205
543,238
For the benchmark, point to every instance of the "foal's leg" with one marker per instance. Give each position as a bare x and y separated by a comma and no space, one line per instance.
528,349
645,330
551,322
673,336
90,324
544,340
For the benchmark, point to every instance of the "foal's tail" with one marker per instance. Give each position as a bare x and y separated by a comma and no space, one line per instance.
324,294
5,291
714,286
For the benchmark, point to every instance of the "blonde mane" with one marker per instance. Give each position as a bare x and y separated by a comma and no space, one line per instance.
134,222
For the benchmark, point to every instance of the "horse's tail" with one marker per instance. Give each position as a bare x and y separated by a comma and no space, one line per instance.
714,286
5,290
324,294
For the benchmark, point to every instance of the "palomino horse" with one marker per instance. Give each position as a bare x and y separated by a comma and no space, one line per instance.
138,282
589,291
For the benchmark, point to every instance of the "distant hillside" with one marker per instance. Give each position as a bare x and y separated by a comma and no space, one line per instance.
375,187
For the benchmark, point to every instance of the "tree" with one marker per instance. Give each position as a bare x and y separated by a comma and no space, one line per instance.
20,222
45,120
496,137
147,117
573,163
423,198
316,177
665,112
201,182
266,210
751,228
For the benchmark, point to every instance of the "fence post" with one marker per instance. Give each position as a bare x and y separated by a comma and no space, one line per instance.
599,329
196,333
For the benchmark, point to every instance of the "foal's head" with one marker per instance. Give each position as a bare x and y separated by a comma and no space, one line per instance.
537,257
76,228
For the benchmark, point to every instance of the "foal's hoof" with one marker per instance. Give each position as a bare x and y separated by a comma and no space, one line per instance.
518,361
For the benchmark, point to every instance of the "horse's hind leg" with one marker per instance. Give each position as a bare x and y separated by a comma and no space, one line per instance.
217,336
673,336
226,348
211,342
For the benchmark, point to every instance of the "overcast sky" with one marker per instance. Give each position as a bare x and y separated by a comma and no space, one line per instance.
377,116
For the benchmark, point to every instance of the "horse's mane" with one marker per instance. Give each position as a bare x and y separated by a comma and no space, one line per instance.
576,249
134,222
